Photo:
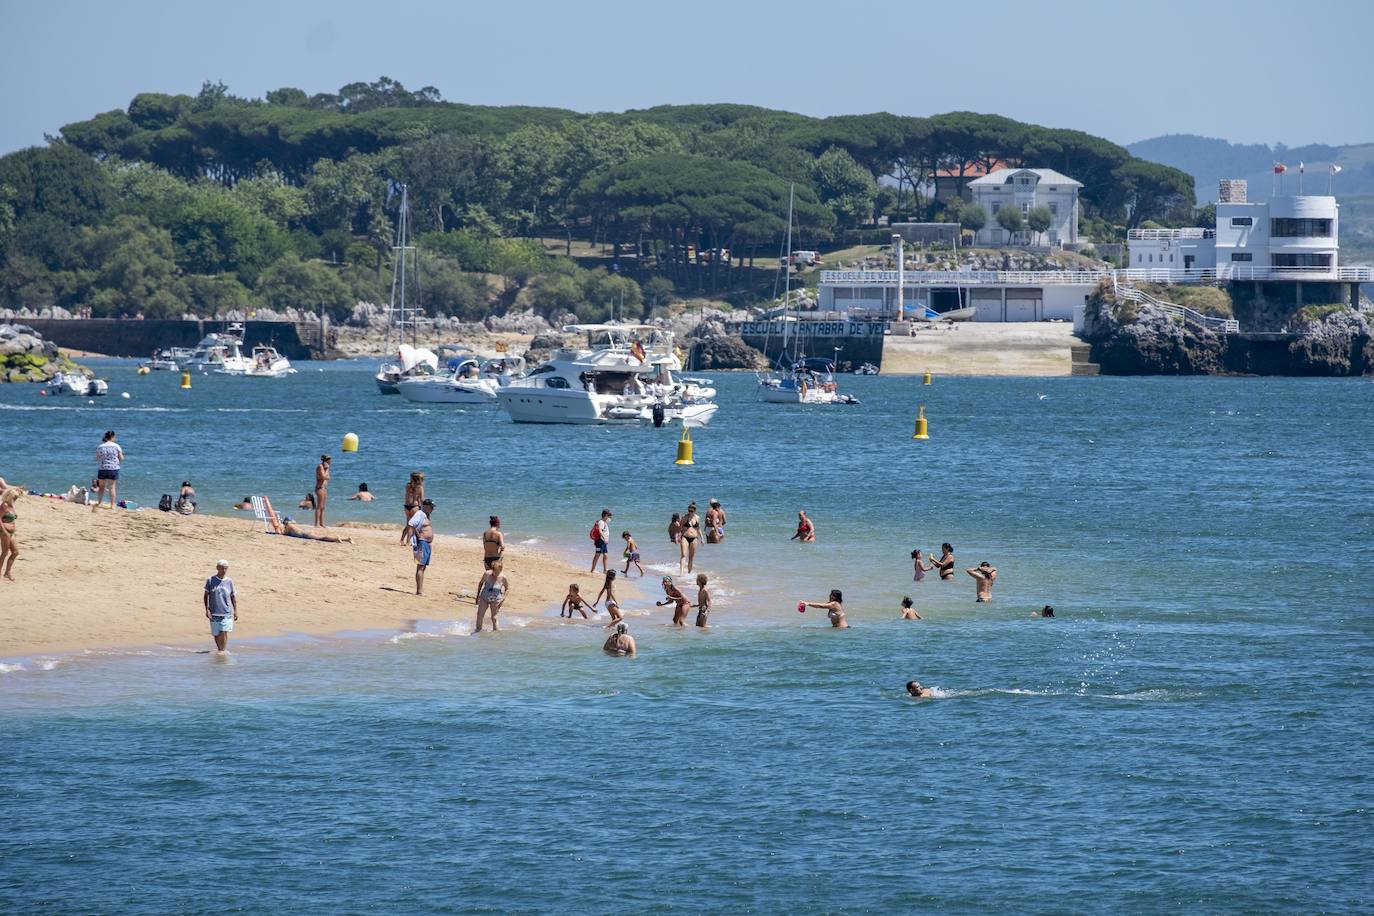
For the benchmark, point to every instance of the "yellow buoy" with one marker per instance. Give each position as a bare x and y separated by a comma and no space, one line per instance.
925,379
684,448
350,442
921,432
185,380
142,370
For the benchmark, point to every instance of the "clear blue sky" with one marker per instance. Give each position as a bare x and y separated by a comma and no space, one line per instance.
1256,71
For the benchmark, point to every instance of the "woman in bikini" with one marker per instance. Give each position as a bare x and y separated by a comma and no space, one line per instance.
612,603
945,565
715,523
493,543
674,597
492,591
834,609
9,538
691,531
322,475
415,492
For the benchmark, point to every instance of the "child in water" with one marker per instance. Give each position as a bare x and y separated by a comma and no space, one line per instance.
631,554
703,600
612,604
573,603
674,597
921,568
908,610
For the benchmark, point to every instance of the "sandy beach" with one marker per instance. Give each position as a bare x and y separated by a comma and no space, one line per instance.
117,578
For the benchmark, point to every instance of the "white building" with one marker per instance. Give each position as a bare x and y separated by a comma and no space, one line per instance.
1260,240
1026,189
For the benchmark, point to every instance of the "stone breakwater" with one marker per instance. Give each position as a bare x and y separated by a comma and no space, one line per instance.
26,357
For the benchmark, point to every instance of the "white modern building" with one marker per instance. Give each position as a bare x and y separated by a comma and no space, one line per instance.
1026,189
996,295
1285,236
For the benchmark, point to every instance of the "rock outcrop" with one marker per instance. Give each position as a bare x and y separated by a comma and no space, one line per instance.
1341,343
27,357
714,347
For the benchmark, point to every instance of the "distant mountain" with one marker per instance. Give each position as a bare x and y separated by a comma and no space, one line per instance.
1209,160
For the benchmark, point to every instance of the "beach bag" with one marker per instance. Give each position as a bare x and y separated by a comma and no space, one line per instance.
595,533
165,503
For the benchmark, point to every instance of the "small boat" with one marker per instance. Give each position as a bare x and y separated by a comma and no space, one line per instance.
411,363
162,361
210,353
963,314
265,362
866,369
78,385
473,381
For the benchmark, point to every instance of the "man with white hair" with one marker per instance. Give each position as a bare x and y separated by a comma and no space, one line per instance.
221,605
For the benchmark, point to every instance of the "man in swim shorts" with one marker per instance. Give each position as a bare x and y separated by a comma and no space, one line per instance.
422,541
601,541
221,605
984,575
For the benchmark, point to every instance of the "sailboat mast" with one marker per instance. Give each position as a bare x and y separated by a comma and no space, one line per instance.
787,267
403,233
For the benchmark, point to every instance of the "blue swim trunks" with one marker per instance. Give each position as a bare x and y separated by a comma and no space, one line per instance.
423,551
600,546
220,625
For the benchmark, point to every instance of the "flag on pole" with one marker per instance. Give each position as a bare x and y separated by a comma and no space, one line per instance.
1280,168
1335,169
1302,167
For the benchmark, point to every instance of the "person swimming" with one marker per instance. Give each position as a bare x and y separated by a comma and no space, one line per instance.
1046,611
909,610
916,691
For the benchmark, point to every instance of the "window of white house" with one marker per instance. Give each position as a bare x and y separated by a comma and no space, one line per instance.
1239,221
996,207
1054,207
1242,255
1152,259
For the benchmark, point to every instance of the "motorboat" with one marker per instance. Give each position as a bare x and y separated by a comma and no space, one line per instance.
474,380
866,369
210,353
624,376
162,361
264,362
410,363
76,384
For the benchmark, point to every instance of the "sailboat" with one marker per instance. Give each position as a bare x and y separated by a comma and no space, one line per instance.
408,361
797,379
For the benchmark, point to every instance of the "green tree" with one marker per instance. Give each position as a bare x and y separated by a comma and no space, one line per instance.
1039,219
210,296
306,285
973,217
657,291
844,186
132,270
447,290
58,180
1009,218
216,233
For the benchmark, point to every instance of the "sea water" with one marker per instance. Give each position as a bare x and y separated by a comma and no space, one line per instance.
1192,730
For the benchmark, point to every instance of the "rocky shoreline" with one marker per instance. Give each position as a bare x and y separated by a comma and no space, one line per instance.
26,357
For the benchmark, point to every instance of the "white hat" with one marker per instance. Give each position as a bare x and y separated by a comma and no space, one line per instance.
224,563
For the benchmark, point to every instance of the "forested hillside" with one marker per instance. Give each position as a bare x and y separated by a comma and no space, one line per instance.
206,203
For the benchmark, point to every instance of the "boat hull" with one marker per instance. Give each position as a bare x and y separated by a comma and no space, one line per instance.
446,391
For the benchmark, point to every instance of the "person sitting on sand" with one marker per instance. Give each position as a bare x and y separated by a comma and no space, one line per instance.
806,531
9,536
293,530
245,504
612,603
186,499
573,602
985,574
834,609
363,495
703,600
945,565
1046,611
674,597
620,643
492,591
916,691
909,610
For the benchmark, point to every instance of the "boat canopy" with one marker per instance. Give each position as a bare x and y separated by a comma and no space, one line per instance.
411,357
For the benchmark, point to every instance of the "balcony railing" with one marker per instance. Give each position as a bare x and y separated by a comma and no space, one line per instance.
1150,235
888,278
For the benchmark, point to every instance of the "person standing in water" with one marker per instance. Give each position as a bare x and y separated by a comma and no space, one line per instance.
984,575
109,457
573,601
492,591
631,554
676,598
909,610
918,562
321,489
612,603
493,542
691,532
806,531
601,536
675,529
703,600
221,605
715,523
620,643
834,609
363,494
945,565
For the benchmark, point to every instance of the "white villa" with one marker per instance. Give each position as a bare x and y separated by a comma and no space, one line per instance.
1026,189
1289,234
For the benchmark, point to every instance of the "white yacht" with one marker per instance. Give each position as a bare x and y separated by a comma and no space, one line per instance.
162,361
625,376
473,381
265,362
810,381
209,354
76,384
